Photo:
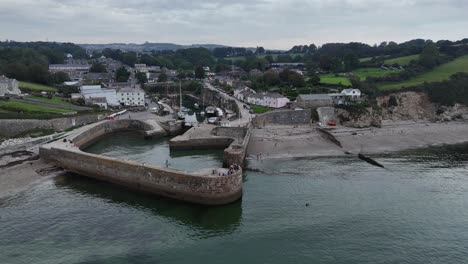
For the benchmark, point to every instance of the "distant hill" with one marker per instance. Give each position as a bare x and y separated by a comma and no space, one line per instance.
147,46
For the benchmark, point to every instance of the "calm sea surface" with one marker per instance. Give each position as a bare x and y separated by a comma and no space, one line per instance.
414,211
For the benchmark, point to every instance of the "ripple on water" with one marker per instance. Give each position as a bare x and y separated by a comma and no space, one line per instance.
414,211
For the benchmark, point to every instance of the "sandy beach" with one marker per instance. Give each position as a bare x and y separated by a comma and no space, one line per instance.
305,141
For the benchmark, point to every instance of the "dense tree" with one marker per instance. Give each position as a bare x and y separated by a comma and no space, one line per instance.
199,72
430,56
351,62
98,67
58,78
122,75
314,80
284,58
162,77
141,77
129,58
260,50
271,78
269,58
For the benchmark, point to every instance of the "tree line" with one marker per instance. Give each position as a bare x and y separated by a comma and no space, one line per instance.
29,61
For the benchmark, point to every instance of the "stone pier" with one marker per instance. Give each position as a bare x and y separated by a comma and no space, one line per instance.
234,141
202,187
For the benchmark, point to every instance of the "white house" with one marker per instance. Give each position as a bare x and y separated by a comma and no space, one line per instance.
242,92
353,93
273,100
8,86
95,91
131,97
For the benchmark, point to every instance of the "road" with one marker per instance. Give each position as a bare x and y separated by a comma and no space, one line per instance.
245,116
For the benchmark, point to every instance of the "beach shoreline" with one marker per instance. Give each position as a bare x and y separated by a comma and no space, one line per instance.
282,142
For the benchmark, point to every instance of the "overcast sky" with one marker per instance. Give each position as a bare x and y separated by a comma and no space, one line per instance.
274,24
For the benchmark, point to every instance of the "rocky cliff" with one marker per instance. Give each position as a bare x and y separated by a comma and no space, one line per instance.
366,118
401,106
407,106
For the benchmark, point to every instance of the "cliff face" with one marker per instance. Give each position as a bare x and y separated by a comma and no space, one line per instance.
407,106
367,118
402,106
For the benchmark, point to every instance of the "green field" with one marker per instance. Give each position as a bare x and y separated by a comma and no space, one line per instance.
54,100
260,109
30,108
335,80
441,73
365,59
36,87
403,61
363,73
370,58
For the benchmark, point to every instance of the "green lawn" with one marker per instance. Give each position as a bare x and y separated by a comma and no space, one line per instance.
55,100
403,61
260,109
441,73
336,80
36,87
365,59
363,73
30,108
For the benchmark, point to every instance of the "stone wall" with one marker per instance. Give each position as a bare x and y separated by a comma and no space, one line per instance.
195,188
287,117
94,133
200,187
233,132
235,153
326,114
13,127
211,97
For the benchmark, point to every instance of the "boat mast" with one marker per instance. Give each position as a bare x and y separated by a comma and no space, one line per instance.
180,91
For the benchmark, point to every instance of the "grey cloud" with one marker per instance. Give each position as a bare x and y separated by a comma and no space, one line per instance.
271,23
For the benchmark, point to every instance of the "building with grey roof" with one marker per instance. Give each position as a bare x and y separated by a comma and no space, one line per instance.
313,101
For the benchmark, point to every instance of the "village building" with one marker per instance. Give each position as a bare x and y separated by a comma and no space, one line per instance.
273,100
352,93
294,65
131,97
241,93
8,86
69,67
103,77
338,98
313,101
90,92
323,100
99,101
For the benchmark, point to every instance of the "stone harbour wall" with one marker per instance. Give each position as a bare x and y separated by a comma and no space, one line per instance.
14,127
287,117
200,187
94,133
235,153
211,97
194,188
